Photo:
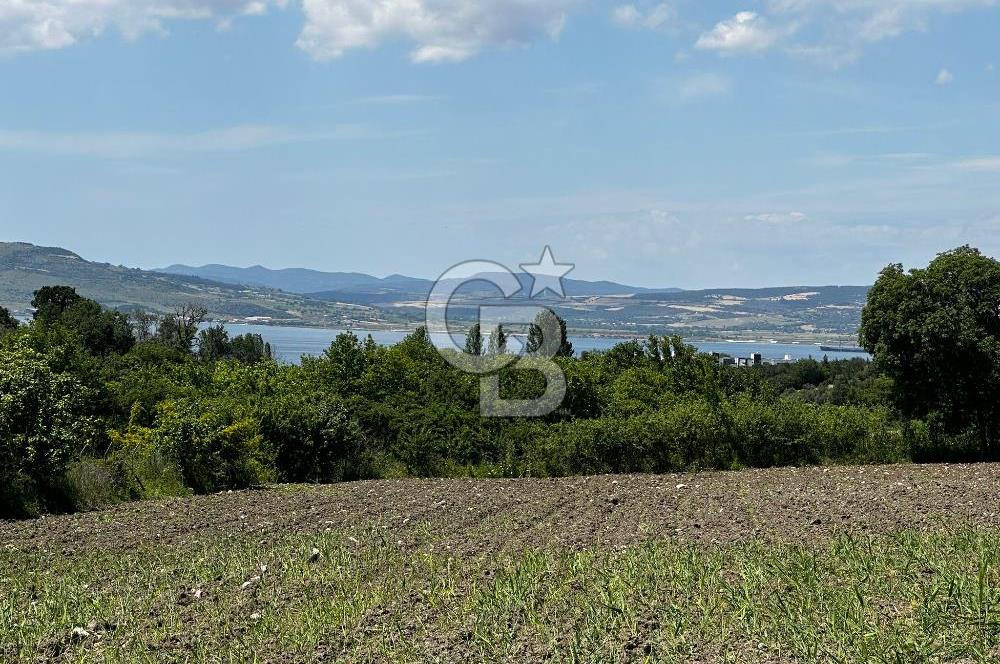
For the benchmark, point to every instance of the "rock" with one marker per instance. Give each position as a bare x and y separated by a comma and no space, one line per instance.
249,582
79,634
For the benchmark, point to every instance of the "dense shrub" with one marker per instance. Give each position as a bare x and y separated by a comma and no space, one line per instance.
46,419
213,450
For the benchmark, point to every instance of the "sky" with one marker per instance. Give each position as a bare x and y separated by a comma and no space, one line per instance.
684,143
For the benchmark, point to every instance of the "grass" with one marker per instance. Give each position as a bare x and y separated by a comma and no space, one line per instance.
911,597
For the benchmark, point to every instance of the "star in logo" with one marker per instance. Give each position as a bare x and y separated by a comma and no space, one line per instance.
547,274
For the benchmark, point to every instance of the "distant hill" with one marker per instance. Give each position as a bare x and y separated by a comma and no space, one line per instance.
808,313
24,268
364,288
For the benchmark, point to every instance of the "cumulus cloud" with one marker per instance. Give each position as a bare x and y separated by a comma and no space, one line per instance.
747,32
630,16
944,77
441,30
834,32
31,25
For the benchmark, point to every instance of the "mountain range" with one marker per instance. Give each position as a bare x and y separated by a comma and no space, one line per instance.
24,268
333,285
299,296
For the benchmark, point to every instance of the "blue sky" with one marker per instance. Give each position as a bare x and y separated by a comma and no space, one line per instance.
678,143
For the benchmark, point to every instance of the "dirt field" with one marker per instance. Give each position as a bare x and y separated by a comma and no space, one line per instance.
472,516
842,564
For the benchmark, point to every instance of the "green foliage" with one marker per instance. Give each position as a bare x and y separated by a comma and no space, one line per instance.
315,438
498,341
250,349
50,302
214,344
536,336
474,341
46,419
213,449
101,331
223,414
180,329
7,321
936,332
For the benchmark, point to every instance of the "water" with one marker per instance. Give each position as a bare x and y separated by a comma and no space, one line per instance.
291,343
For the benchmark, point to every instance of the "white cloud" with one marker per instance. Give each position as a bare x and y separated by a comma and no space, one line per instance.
944,77
626,15
630,16
747,32
777,218
136,144
981,164
31,25
442,30
700,86
842,28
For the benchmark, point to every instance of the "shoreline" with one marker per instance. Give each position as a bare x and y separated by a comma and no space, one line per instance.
834,338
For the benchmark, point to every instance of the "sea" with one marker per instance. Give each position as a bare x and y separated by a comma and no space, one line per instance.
289,344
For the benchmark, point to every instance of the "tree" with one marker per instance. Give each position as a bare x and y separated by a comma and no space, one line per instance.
46,418
250,349
50,302
7,321
474,341
179,329
214,344
536,337
936,332
102,331
144,324
498,341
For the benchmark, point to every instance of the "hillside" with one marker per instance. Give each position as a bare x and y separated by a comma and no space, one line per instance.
25,267
361,300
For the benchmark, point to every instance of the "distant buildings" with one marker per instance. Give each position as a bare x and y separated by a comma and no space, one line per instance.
755,360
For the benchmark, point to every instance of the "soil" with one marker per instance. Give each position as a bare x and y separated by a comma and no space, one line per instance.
486,516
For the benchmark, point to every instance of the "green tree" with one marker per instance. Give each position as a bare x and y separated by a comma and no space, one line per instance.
250,349
474,341
936,332
102,331
536,337
7,321
214,344
50,302
498,341
144,324
180,329
46,418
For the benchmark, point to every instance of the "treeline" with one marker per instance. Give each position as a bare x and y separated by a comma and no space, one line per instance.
98,407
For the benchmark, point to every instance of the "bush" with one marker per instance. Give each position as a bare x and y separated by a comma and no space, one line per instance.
315,439
45,420
213,450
